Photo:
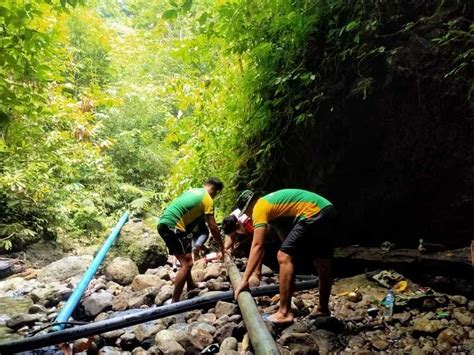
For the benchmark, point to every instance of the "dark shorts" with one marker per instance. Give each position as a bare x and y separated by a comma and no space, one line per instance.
313,237
178,242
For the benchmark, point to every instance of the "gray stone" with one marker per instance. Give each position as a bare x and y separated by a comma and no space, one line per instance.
380,344
20,320
97,302
121,270
214,285
121,302
65,268
327,341
139,351
213,271
459,300
165,293
225,308
226,331
207,318
463,317
141,244
37,308
165,341
228,344
299,343
266,271
424,325
141,282
110,350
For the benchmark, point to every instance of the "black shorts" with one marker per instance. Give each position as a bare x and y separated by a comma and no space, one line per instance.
178,242
313,237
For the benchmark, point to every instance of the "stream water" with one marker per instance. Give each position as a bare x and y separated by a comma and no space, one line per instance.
9,306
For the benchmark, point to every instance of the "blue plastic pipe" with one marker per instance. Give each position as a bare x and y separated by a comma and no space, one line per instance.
76,295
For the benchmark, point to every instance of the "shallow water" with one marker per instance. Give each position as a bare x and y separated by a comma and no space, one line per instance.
10,306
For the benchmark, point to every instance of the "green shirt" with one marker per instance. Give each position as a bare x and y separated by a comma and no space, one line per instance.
185,210
295,203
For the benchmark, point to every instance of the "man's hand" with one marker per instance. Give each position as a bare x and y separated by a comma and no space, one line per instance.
244,284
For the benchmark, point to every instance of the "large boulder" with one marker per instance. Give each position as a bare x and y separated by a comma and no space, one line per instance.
121,270
141,244
65,268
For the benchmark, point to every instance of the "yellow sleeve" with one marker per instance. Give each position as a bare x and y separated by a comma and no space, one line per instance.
208,204
260,214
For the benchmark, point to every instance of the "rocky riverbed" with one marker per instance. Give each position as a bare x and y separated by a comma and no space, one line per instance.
424,321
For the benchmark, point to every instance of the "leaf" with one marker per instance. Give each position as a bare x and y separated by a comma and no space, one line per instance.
187,5
170,14
352,25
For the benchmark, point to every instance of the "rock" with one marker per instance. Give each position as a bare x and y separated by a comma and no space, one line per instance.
424,325
416,351
121,302
65,268
214,285
139,351
327,341
204,326
468,345
266,271
114,288
162,272
201,264
225,308
193,315
111,336
97,302
166,343
222,320
459,300
139,299
141,282
37,308
329,323
470,306
299,343
195,340
198,275
165,293
127,341
380,344
141,244
110,350
463,317
452,336
236,318
82,344
226,331
121,270
213,271
20,320
209,318
228,344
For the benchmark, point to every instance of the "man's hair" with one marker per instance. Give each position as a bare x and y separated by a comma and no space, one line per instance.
216,182
229,224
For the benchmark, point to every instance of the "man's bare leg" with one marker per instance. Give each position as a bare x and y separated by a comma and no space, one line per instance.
287,270
183,275
323,267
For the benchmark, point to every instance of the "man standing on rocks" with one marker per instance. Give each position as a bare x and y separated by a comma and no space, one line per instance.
177,222
313,219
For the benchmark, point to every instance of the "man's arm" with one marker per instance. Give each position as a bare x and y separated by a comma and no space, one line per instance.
216,234
255,257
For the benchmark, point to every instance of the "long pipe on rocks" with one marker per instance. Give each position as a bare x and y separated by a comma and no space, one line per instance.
260,337
137,317
76,295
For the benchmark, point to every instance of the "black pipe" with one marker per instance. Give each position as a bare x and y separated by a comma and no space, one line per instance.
138,317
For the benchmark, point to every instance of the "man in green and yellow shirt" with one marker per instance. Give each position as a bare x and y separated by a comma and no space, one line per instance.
177,222
313,221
